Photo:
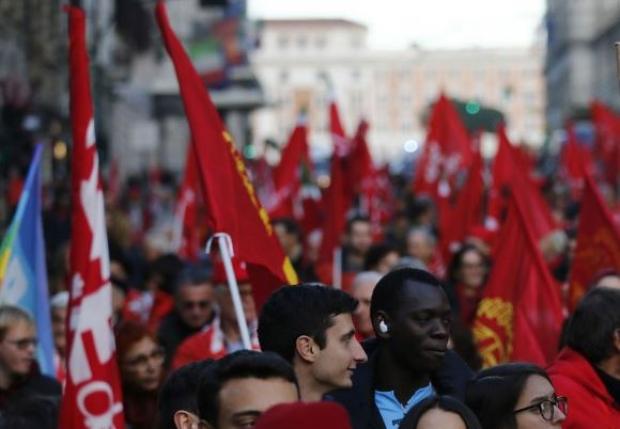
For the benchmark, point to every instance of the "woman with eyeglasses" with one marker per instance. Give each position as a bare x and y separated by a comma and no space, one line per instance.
141,363
516,396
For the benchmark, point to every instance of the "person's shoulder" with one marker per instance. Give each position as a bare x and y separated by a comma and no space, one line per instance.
452,376
43,385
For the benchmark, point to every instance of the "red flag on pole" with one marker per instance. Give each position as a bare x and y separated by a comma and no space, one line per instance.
232,204
448,148
92,395
598,243
520,314
287,175
576,162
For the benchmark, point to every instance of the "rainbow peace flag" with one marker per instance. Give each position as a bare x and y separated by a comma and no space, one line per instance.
23,274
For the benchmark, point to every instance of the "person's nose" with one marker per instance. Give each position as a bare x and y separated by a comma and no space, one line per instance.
558,415
359,355
440,329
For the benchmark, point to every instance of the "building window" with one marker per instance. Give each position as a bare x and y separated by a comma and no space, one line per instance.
320,42
283,76
282,42
302,42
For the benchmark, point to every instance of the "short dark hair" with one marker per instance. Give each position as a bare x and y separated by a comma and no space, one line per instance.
447,403
179,392
376,252
290,226
385,296
167,267
494,392
306,309
354,219
591,327
238,365
189,276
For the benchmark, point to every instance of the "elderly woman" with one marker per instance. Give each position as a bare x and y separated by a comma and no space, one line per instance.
141,362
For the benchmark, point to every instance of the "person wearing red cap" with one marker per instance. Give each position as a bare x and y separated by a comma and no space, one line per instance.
299,415
222,336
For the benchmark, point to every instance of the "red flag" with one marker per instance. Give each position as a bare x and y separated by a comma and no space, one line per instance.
607,125
232,204
468,210
287,175
520,314
186,228
448,148
598,243
508,177
92,395
576,162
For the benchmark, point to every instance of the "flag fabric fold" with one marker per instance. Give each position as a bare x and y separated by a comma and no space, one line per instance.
520,314
598,243
23,273
231,201
92,394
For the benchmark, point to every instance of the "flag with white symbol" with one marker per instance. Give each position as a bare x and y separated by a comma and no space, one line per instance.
92,397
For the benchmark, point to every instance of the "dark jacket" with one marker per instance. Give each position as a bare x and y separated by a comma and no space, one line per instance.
451,379
172,332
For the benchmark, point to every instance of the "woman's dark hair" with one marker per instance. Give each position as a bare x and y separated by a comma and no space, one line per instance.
494,392
591,328
446,403
457,262
376,253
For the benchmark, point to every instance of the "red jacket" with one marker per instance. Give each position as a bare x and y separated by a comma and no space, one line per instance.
209,344
589,403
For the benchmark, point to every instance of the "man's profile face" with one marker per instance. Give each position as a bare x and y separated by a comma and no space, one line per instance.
243,400
340,356
17,349
195,304
363,293
420,327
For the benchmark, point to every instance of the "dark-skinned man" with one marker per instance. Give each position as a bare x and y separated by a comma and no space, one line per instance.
409,360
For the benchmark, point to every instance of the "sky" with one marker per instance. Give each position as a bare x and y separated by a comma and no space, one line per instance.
396,24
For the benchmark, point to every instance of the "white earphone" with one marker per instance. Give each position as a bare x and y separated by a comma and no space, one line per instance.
383,327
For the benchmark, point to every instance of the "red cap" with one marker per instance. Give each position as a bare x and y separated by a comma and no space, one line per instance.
299,415
240,268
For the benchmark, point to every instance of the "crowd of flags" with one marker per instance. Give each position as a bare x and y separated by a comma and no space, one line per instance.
522,308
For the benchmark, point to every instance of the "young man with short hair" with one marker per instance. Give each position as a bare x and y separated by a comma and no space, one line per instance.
310,326
238,388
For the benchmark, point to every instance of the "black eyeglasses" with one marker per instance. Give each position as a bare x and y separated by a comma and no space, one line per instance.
547,407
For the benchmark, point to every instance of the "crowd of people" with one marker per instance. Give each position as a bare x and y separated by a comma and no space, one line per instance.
393,348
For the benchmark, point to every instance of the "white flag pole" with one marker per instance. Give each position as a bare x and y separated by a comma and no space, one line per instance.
226,251
337,268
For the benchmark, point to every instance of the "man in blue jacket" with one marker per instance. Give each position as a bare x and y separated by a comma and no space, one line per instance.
409,360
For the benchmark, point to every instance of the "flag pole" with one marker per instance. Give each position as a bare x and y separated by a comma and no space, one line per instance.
226,250
337,268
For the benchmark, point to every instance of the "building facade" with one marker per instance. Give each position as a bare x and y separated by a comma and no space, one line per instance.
581,59
300,62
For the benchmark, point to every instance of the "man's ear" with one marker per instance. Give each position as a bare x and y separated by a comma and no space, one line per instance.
381,325
306,348
187,420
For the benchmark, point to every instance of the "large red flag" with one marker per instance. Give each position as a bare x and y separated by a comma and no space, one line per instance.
510,174
448,148
467,212
520,314
598,243
287,175
337,198
232,204
92,395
